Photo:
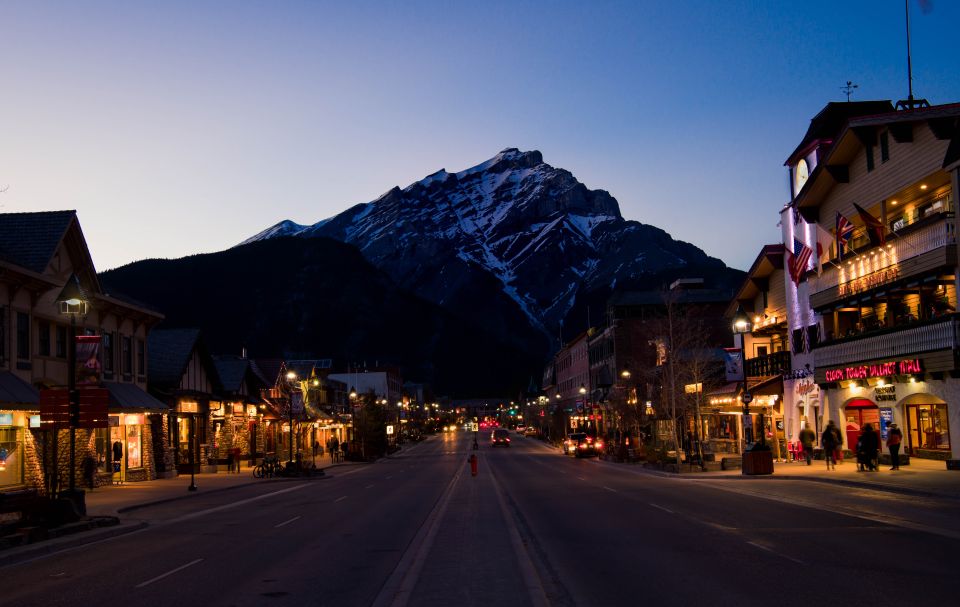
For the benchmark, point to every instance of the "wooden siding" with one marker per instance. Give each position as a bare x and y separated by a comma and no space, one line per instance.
909,162
777,296
912,267
195,377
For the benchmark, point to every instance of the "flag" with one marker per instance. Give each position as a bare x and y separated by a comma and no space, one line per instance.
844,233
874,228
824,238
799,260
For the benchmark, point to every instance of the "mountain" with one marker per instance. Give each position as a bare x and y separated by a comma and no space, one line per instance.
320,298
513,243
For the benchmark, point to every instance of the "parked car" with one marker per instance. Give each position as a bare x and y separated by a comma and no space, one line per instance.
530,431
570,444
500,436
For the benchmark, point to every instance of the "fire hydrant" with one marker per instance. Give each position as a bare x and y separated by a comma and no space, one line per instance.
473,464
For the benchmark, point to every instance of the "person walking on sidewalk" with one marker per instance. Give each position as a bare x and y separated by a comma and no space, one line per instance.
869,446
807,438
831,442
894,438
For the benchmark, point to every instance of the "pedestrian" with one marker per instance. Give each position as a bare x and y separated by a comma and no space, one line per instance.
831,442
894,438
869,444
807,438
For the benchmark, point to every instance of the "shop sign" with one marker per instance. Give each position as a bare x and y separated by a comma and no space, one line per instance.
900,367
6,419
187,406
885,393
864,283
886,418
251,410
133,419
238,408
389,430
34,421
88,360
806,387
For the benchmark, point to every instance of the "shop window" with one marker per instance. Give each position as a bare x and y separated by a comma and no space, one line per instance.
927,428
813,335
798,341
101,440
884,147
11,456
869,152
134,447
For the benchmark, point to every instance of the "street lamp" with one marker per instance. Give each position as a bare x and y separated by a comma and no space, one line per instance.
742,326
291,378
72,302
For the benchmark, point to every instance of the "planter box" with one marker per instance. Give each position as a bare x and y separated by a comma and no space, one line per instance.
758,462
730,463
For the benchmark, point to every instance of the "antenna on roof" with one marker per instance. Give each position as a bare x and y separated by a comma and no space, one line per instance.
910,103
849,89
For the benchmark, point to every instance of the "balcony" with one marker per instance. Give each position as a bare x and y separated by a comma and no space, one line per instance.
777,363
939,333
924,247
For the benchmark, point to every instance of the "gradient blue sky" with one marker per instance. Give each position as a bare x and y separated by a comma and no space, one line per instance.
179,128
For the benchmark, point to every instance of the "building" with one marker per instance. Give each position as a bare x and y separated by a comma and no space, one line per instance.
39,254
879,321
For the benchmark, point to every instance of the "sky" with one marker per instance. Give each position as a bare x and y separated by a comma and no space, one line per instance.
176,128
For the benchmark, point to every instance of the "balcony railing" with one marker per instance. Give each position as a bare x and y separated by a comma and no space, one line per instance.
901,247
771,364
925,336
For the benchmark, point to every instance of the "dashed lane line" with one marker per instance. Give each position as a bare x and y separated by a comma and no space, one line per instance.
659,507
286,522
171,572
340,499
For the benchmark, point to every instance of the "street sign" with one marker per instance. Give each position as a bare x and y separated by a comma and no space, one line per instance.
389,430
746,398
475,426
54,409
94,403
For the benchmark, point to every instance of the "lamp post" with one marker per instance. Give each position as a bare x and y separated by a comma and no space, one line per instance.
193,438
73,302
742,326
583,392
291,380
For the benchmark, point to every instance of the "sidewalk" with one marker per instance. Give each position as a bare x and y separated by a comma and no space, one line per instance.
111,500
922,478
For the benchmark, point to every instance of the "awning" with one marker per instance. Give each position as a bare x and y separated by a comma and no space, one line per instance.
767,387
16,392
131,396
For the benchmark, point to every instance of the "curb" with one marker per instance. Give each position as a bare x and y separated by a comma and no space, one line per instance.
18,555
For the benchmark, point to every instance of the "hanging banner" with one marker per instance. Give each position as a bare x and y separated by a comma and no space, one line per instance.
734,363
88,359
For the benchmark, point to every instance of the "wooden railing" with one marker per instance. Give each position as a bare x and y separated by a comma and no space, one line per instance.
771,364
917,242
925,336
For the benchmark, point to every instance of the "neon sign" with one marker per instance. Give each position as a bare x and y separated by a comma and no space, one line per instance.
898,367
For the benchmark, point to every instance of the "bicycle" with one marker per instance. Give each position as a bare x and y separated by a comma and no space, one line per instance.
269,467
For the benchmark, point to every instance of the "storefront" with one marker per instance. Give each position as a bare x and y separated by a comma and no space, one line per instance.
120,449
922,403
12,451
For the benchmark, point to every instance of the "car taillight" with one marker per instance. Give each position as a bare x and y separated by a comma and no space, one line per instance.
583,446
599,445
508,440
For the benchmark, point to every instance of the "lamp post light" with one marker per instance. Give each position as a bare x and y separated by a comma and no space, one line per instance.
72,302
291,379
742,326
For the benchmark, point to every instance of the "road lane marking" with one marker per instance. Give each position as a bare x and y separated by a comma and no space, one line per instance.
369,487
340,499
171,572
658,507
581,478
609,489
772,551
193,515
286,522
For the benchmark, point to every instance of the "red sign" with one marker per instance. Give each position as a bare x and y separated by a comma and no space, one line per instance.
54,409
900,367
93,408
88,359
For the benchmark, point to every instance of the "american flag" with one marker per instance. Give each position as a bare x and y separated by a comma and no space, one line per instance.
844,233
799,260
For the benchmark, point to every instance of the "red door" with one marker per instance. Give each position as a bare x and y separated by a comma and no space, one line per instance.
857,413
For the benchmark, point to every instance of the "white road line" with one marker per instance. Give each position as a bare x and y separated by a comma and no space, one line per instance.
661,508
286,522
340,499
581,478
772,551
192,515
609,489
369,487
171,572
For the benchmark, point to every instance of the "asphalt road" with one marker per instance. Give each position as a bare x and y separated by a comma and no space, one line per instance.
532,528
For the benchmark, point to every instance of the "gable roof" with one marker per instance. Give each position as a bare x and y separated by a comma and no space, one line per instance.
830,121
170,351
232,370
29,240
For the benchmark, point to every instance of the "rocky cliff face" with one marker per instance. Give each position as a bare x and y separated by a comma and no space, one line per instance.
512,238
